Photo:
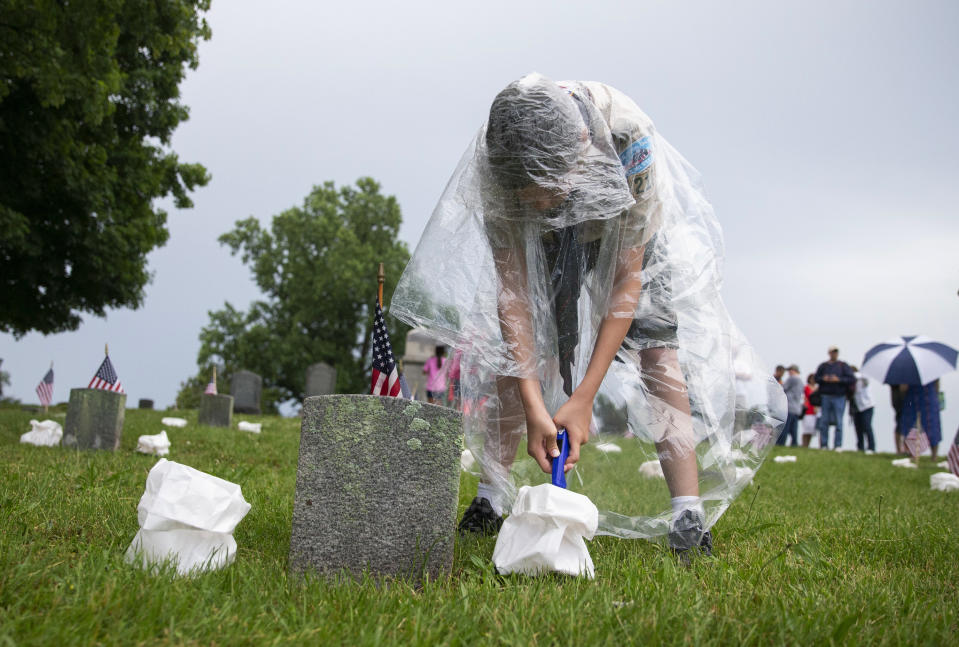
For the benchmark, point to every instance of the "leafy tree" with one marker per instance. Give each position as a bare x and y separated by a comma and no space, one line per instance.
4,378
88,103
316,266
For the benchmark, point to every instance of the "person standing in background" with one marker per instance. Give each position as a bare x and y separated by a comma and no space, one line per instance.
435,369
811,417
861,409
835,379
897,393
778,373
793,387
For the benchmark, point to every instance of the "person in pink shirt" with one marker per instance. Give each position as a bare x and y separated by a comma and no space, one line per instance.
454,379
435,369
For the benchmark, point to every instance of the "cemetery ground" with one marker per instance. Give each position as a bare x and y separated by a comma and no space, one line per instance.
832,549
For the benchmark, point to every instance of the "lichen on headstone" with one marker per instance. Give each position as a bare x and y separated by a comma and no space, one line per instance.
419,424
414,443
412,408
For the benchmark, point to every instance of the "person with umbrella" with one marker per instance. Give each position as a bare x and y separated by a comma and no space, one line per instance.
918,362
897,394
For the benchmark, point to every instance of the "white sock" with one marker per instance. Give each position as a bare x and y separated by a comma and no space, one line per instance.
681,503
485,491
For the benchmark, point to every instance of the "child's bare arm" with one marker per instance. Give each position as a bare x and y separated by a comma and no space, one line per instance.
517,329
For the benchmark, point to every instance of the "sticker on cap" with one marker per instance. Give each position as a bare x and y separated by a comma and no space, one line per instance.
637,157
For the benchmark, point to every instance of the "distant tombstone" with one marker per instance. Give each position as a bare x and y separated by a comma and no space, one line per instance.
320,380
216,410
145,403
376,487
94,419
245,386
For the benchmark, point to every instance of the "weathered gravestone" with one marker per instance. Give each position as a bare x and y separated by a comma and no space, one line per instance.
94,419
320,380
145,403
216,410
376,487
245,387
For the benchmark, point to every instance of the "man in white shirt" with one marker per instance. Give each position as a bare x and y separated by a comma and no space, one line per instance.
861,408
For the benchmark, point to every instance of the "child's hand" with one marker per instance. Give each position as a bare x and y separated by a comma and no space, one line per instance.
541,439
575,416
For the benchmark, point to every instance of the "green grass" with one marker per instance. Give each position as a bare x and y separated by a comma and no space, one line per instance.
802,557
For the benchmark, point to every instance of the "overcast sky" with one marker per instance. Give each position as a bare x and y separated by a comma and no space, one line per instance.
825,132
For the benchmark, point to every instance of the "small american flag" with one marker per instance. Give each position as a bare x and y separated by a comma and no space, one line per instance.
916,442
953,456
386,377
106,378
45,388
210,388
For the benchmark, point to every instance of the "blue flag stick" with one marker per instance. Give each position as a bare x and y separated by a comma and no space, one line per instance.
559,474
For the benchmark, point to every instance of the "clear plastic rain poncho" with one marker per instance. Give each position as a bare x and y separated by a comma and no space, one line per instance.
567,209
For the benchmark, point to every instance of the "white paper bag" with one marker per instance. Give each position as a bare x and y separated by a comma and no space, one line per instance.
784,459
652,470
609,448
905,462
545,532
944,481
158,444
187,517
254,427
173,422
43,434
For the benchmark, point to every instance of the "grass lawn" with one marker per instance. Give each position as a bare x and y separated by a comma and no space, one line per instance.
833,549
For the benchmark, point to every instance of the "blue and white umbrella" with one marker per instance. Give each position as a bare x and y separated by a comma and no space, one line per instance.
909,360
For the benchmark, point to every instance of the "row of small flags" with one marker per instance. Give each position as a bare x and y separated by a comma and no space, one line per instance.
105,379
387,378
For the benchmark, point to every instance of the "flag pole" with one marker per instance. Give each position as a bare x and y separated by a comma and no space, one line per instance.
106,349
214,375
45,406
380,279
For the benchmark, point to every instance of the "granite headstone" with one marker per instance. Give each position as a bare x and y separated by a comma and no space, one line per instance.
245,387
216,410
145,404
94,419
377,485
320,380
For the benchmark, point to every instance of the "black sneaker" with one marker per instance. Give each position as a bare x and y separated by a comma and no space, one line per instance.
480,518
687,538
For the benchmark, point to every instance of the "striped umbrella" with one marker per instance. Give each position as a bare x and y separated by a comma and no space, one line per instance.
909,360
